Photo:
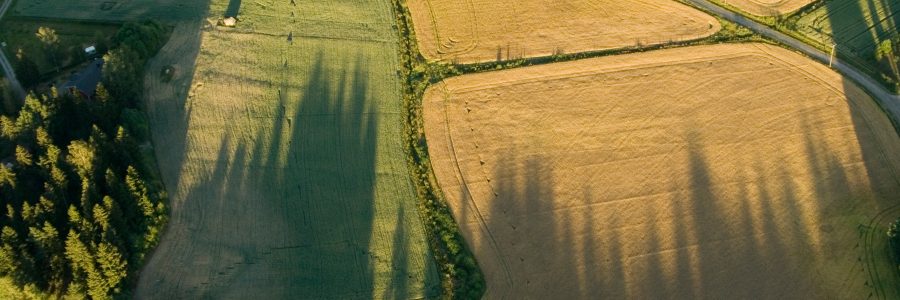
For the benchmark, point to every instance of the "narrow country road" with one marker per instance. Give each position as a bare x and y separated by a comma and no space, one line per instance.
7,67
889,101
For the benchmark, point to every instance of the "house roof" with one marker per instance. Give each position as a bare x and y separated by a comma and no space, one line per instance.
86,81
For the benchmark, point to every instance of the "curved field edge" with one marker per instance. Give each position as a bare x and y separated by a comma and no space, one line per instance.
331,85
460,276
473,162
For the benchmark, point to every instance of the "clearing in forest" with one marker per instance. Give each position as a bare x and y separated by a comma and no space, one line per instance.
280,143
725,171
468,31
769,7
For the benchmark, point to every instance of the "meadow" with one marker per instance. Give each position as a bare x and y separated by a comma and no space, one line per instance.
280,143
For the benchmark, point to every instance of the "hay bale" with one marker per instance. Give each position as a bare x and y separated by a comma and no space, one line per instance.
228,22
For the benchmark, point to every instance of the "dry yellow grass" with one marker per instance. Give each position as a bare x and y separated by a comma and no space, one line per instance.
484,30
723,172
769,7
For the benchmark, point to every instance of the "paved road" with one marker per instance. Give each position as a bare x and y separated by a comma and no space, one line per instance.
888,100
7,67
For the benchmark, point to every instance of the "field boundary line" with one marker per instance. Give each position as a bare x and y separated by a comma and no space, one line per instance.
465,185
871,265
586,73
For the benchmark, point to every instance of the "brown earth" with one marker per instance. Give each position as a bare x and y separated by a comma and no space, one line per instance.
469,31
769,7
725,172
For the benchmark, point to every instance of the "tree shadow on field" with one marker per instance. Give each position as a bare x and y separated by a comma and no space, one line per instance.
790,208
769,222
852,29
290,213
234,6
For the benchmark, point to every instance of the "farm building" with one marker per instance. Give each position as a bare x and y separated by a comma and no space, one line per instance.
84,83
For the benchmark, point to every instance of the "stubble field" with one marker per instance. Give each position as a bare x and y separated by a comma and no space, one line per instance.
280,144
725,171
769,7
111,10
468,31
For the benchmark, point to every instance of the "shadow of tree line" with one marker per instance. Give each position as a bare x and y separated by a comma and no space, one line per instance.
766,228
292,212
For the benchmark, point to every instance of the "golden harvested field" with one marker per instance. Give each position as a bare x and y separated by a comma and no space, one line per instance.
469,31
726,171
769,7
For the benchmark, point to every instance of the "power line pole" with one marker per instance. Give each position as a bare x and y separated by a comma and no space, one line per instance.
831,58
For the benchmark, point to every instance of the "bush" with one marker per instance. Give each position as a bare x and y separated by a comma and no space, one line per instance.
894,241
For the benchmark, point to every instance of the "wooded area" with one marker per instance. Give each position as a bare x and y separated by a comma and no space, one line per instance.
80,208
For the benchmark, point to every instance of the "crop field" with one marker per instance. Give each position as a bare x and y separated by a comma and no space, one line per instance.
468,31
856,27
110,10
769,7
20,35
280,143
730,171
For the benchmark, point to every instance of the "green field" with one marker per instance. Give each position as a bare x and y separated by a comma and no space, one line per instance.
19,34
110,10
855,26
284,159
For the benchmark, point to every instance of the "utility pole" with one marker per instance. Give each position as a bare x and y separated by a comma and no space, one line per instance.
831,59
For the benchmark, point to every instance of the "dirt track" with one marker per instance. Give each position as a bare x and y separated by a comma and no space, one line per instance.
727,171
484,30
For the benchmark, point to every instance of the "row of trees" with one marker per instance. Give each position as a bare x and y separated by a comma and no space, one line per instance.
79,207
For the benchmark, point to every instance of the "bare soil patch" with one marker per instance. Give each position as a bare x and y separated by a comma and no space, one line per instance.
723,171
469,31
